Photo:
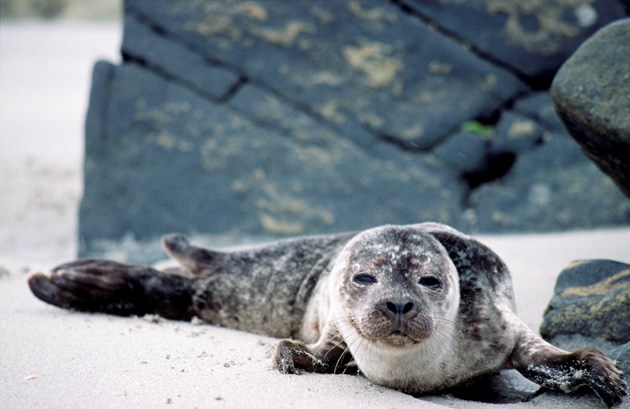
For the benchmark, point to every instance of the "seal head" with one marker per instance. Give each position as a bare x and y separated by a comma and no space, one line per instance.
395,300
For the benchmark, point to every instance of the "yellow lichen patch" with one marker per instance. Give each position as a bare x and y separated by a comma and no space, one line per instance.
600,288
249,182
193,129
322,158
169,142
259,174
221,18
324,15
153,115
277,206
412,133
327,78
254,11
277,201
489,82
240,186
276,226
286,36
221,26
377,61
425,97
551,28
374,14
330,112
207,153
372,120
215,155
177,107
396,173
522,128
439,68
327,217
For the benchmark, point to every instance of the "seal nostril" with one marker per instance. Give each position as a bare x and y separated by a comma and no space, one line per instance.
399,308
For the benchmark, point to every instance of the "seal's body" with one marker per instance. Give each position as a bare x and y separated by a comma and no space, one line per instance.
420,308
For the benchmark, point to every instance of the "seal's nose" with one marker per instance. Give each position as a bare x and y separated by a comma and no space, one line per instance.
399,308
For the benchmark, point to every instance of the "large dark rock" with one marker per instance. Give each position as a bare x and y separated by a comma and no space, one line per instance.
272,118
592,299
592,91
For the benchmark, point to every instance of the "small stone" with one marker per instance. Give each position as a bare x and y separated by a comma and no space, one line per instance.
591,298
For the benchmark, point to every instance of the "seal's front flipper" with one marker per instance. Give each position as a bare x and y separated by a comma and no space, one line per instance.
295,357
196,259
114,288
571,371
553,368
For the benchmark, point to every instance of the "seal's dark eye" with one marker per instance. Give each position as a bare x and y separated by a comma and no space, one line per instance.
430,282
364,279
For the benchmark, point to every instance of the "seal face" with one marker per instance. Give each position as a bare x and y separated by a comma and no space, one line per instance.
396,295
420,308
397,285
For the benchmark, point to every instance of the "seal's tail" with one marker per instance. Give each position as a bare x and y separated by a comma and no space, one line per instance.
115,288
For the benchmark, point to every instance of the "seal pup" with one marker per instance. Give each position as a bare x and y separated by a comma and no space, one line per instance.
419,308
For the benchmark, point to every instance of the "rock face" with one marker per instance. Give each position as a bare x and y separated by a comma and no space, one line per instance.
249,119
592,92
591,298
531,38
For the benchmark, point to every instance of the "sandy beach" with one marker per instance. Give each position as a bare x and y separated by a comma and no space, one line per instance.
51,358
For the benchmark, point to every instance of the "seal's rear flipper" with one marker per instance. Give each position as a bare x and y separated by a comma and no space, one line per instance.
195,259
115,288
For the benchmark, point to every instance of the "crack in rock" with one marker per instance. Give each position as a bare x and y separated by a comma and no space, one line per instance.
149,45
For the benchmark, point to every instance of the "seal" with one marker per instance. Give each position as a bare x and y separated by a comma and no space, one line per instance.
420,308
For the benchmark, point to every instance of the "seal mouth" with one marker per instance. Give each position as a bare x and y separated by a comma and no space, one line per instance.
396,338
399,338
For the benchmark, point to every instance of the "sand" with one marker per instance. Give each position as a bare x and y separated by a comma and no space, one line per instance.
51,358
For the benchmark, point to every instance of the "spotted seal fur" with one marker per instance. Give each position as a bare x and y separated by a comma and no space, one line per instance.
420,308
